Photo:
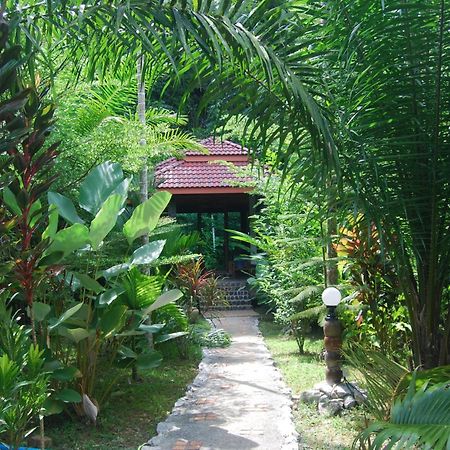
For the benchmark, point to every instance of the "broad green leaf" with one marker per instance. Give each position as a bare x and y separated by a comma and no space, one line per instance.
10,201
99,185
75,334
54,323
40,311
126,352
164,299
88,283
145,217
170,336
105,220
68,396
113,318
66,374
427,376
53,406
52,226
130,333
154,328
6,267
72,281
107,297
115,270
52,258
147,253
65,207
122,188
70,239
147,361
53,365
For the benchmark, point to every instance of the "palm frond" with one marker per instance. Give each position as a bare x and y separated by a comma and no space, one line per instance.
388,83
158,141
107,100
420,420
382,377
238,38
159,116
141,290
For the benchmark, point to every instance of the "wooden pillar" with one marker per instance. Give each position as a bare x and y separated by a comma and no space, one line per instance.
226,243
251,212
199,222
244,220
172,209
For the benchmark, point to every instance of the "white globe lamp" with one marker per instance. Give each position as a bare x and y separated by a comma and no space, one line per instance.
331,296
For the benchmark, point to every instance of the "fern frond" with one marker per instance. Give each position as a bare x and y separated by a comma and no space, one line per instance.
309,314
306,293
173,316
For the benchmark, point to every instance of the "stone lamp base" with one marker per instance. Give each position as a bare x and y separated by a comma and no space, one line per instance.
331,399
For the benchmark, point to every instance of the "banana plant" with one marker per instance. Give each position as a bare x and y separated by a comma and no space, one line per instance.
117,326
108,313
102,197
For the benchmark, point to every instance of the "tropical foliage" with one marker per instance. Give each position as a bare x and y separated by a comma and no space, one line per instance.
347,104
98,122
395,126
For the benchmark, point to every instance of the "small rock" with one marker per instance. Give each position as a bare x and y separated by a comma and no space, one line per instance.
312,396
340,390
330,407
350,402
324,387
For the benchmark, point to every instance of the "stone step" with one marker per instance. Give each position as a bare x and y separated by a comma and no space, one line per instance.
232,307
236,294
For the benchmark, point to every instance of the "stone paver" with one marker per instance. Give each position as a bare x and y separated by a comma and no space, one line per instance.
237,401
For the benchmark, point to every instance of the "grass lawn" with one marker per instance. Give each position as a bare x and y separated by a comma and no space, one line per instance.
301,372
132,413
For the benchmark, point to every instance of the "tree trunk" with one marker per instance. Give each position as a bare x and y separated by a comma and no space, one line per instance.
332,268
141,118
144,171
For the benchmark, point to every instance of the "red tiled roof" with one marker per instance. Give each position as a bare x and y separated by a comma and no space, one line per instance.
199,174
203,171
217,147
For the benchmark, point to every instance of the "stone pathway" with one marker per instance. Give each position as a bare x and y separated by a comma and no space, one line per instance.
237,401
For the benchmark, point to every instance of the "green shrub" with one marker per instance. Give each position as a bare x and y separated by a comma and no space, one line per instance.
24,383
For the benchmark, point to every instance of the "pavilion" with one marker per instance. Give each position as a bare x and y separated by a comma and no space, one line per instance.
205,183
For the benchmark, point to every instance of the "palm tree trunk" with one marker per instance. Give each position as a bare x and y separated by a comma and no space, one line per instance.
141,118
332,274
144,171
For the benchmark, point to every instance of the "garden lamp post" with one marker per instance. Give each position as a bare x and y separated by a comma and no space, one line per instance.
332,331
